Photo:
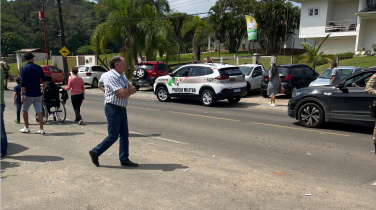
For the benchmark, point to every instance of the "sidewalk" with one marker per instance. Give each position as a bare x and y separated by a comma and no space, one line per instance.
253,101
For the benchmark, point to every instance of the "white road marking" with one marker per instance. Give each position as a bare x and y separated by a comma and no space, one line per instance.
163,139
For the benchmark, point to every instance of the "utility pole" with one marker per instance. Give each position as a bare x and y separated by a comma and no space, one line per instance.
41,17
65,63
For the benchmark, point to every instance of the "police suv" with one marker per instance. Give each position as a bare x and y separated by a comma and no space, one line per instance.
208,82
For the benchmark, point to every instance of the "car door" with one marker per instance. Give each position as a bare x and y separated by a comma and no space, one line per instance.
256,77
195,79
177,82
352,103
309,75
59,75
52,72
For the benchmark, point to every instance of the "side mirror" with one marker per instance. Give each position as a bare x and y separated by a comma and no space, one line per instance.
171,74
341,86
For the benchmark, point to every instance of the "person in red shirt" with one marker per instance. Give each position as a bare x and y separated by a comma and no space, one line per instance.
76,86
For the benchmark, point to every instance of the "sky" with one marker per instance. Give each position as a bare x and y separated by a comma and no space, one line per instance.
195,6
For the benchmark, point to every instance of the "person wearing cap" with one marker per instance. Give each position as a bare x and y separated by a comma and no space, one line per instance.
4,65
30,91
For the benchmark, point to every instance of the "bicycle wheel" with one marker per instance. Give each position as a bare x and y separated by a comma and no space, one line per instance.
60,112
45,113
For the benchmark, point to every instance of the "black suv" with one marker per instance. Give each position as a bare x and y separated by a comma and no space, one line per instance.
293,77
345,101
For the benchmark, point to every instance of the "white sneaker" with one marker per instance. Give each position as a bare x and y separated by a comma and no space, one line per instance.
269,103
272,105
25,130
40,132
80,122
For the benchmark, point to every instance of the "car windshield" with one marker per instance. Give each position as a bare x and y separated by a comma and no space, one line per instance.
246,70
83,69
327,74
233,71
144,66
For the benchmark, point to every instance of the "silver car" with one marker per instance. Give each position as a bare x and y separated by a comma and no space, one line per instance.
324,78
90,74
253,76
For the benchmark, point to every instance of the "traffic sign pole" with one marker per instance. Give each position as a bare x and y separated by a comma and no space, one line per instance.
65,63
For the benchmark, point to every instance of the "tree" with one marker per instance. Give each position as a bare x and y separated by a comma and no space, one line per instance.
197,25
11,42
126,21
176,25
229,25
313,55
271,18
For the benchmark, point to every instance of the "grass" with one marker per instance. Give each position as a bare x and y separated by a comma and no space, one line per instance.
363,62
13,66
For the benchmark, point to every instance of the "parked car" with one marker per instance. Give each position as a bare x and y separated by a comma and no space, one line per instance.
341,102
145,73
208,82
253,76
56,74
325,77
293,77
90,74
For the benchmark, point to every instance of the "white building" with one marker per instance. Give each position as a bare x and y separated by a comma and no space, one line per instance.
352,24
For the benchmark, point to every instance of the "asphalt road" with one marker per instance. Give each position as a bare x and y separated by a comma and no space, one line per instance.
238,157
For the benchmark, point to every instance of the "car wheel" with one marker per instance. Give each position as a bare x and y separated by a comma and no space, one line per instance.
141,73
207,98
311,115
162,94
293,90
137,87
233,100
95,83
264,94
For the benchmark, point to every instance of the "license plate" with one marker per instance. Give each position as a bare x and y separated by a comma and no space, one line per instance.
142,80
232,79
237,90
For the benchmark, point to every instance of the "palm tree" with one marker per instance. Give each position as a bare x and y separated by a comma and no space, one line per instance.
176,25
125,21
197,25
313,55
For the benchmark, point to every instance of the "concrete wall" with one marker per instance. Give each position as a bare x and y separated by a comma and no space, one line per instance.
344,10
369,34
313,24
334,45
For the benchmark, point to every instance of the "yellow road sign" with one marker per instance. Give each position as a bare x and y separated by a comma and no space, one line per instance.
64,51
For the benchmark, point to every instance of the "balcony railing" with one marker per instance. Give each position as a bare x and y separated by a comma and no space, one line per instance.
340,26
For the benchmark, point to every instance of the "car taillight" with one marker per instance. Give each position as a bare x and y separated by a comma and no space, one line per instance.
263,78
222,77
70,74
243,75
88,74
288,77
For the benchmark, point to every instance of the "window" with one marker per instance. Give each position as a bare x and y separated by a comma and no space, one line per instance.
360,80
257,72
145,67
209,70
182,72
83,69
57,70
161,67
230,71
167,68
51,69
313,12
327,74
197,71
246,70
308,71
297,71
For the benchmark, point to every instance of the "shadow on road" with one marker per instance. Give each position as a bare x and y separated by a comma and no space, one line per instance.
346,127
161,167
64,134
140,135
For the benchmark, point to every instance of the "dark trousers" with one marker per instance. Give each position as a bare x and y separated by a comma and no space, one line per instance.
4,140
19,112
117,125
76,102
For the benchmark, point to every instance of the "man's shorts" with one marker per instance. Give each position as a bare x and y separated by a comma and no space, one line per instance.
36,101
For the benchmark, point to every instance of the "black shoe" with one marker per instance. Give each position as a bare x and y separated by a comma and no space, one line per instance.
6,89
94,158
129,163
3,156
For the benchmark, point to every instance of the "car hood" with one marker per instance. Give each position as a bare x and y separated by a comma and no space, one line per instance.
320,82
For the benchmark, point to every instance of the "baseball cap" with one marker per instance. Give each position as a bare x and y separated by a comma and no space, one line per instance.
29,56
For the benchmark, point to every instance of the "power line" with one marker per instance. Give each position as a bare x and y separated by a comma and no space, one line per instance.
174,2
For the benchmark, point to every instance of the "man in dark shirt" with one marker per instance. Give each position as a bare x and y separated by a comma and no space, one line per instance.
30,91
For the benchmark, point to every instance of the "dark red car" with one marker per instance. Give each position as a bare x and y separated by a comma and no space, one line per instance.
56,74
145,73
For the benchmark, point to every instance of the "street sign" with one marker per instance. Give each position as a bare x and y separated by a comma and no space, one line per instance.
64,51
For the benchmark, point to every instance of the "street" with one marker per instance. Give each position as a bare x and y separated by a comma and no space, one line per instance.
231,156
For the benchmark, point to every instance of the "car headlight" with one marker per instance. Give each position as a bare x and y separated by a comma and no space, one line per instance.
296,93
